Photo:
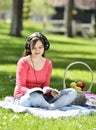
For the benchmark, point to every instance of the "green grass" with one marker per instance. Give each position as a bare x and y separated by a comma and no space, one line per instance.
63,51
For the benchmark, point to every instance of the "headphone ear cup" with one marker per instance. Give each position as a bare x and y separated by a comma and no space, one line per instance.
27,46
47,44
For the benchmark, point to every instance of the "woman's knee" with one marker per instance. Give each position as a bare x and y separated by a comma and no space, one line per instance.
25,101
33,99
73,93
36,99
69,92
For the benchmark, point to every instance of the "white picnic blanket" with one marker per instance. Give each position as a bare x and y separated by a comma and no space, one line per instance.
68,111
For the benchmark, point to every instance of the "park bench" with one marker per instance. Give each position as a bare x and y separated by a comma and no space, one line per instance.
59,26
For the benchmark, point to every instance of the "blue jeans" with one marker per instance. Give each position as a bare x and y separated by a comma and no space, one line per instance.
67,96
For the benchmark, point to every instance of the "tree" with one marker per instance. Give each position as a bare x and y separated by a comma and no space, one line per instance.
95,18
17,18
68,17
42,8
42,11
27,9
5,7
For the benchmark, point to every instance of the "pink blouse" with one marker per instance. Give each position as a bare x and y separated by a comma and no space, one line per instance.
27,77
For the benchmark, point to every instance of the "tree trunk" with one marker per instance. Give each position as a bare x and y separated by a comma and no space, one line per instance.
68,18
17,18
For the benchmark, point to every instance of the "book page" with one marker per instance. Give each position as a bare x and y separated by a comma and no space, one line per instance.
36,89
44,90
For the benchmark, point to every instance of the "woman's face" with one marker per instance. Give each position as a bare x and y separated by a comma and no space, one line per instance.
38,49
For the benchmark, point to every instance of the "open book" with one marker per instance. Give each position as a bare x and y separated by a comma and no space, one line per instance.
43,91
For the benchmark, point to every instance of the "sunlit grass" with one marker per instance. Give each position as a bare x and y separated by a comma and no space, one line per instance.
6,67
12,121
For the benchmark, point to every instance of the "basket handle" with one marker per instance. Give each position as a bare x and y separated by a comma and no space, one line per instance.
79,62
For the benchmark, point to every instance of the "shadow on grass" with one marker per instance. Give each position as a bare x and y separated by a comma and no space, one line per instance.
61,61
10,51
74,43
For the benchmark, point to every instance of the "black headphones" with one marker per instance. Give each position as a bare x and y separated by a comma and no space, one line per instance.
38,35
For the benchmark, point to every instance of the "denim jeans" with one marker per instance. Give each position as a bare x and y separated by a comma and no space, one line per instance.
67,96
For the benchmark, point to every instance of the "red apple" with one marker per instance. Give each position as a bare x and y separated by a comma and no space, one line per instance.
81,84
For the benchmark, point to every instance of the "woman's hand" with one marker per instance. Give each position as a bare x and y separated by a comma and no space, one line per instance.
55,94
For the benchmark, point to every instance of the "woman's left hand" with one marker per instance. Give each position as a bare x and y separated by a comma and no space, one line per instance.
54,94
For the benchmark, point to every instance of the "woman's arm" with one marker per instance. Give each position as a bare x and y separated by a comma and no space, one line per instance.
21,74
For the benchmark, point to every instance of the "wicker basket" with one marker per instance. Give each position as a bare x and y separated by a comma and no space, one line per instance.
80,100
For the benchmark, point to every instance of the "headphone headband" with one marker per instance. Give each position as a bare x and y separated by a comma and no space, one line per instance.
39,35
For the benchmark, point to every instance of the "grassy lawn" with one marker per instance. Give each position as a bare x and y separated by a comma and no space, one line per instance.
63,51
